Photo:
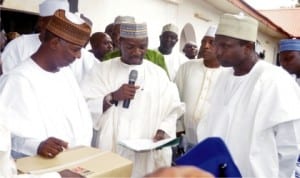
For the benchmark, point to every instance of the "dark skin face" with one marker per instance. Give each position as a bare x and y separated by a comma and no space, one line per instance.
231,53
56,53
68,53
290,61
109,29
101,44
116,36
133,50
209,52
190,51
167,41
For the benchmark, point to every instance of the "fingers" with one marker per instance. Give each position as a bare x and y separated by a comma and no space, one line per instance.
51,147
126,91
160,135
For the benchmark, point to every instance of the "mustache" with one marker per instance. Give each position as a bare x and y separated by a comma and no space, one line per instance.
136,56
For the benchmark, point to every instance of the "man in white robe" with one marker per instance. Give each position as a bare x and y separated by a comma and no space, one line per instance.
173,58
255,106
154,102
44,103
195,80
7,165
24,46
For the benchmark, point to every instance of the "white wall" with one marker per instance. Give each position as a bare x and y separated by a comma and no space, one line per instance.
156,13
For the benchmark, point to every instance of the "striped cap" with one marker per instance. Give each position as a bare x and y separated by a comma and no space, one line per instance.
124,19
289,45
133,30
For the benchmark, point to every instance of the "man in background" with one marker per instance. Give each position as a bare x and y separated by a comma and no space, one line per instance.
195,81
101,44
173,59
289,57
190,50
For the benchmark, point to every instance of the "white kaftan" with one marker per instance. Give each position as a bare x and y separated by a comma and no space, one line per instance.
257,115
42,104
173,62
24,46
195,82
7,165
156,105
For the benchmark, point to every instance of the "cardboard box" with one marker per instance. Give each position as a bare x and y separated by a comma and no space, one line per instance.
89,162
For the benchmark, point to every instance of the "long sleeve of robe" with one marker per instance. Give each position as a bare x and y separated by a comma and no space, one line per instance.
258,117
7,165
156,105
18,50
41,104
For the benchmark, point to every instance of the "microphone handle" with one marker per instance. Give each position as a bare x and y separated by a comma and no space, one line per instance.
126,102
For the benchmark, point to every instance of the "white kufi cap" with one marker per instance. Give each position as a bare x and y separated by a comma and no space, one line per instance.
238,26
170,28
48,7
211,31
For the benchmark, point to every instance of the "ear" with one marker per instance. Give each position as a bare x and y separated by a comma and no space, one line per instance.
249,48
54,42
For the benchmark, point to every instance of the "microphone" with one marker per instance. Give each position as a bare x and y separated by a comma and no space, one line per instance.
132,78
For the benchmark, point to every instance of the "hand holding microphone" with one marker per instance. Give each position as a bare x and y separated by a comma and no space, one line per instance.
132,78
127,91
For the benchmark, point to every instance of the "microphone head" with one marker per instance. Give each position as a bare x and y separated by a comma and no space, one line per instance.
133,75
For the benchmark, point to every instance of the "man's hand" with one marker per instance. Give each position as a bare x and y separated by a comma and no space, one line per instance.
180,172
69,174
126,91
160,135
51,147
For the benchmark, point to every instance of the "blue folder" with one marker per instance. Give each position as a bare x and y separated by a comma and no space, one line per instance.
213,156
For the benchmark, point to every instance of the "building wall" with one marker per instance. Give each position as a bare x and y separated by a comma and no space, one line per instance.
195,15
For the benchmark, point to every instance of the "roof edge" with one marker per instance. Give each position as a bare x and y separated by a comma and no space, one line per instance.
259,16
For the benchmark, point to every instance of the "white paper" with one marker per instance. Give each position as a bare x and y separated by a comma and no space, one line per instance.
144,144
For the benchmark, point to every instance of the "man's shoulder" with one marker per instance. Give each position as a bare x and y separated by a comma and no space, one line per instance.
191,64
25,38
153,52
112,55
154,67
269,73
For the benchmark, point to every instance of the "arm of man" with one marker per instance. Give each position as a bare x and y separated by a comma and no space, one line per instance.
172,108
288,140
126,91
10,56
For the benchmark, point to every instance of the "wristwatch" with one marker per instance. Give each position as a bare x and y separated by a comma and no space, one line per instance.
109,99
